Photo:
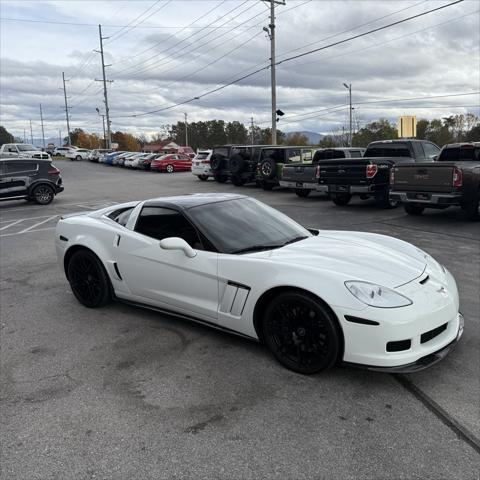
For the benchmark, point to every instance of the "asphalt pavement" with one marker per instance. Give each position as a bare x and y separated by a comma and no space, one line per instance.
126,393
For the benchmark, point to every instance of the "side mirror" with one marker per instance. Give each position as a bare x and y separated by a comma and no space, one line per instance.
176,243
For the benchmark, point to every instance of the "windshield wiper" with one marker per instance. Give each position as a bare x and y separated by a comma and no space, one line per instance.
254,248
293,240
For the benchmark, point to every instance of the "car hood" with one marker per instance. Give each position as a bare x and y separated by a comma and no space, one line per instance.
356,256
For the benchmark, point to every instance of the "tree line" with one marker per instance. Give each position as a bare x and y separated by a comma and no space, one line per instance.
206,134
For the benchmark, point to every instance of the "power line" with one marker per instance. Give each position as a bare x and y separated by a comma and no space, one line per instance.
237,80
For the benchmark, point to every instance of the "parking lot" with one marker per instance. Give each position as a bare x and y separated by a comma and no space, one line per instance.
121,393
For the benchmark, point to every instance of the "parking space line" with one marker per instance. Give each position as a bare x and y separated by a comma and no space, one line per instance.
11,224
28,231
37,224
23,219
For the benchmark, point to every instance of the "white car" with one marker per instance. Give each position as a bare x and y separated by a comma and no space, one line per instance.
134,160
63,151
313,297
201,165
78,154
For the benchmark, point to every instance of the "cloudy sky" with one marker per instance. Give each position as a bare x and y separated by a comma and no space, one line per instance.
166,52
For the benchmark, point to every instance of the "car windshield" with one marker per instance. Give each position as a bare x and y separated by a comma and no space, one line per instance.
245,225
26,148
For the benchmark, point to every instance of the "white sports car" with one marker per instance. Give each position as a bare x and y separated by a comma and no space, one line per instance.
313,297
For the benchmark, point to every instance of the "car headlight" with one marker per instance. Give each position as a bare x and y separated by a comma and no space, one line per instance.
376,295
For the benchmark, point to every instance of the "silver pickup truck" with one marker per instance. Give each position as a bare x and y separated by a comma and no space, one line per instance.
302,177
24,150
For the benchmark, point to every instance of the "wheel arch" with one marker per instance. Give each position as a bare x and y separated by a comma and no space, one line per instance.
75,248
267,296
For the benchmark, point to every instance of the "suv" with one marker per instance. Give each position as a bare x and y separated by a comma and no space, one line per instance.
30,179
302,177
453,180
220,161
78,154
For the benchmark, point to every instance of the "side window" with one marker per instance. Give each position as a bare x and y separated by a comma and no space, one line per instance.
12,148
20,167
418,149
293,155
431,150
355,153
121,216
306,155
160,223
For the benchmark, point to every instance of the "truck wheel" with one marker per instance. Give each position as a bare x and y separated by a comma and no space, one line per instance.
268,168
413,208
341,199
302,192
237,164
237,181
472,209
267,186
216,162
220,178
386,201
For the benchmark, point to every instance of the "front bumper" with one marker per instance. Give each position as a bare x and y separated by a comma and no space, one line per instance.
427,198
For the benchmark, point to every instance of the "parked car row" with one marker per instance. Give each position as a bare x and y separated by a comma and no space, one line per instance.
412,172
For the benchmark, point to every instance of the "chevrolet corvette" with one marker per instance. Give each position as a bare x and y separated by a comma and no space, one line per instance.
313,297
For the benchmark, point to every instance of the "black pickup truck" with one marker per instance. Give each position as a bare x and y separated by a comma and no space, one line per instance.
302,177
454,179
370,176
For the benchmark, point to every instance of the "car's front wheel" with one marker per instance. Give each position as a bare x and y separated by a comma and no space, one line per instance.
43,194
88,279
301,332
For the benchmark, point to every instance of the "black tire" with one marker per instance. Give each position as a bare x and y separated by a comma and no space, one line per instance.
88,279
169,168
302,192
78,157
387,202
413,208
216,162
203,178
472,209
341,199
364,196
220,178
268,168
43,194
267,186
237,163
237,181
301,332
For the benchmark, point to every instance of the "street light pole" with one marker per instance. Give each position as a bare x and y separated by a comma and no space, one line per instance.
186,131
66,109
349,88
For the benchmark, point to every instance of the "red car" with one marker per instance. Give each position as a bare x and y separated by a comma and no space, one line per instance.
172,163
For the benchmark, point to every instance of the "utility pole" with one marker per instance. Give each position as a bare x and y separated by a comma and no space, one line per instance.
31,133
24,136
60,138
105,95
271,34
252,126
186,131
66,110
43,131
350,136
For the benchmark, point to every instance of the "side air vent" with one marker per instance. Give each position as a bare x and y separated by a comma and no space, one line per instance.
425,280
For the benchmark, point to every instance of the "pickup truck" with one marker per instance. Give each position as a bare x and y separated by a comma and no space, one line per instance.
23,150
302,177
454,180
370,176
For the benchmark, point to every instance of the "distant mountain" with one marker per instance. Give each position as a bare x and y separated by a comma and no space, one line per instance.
313,138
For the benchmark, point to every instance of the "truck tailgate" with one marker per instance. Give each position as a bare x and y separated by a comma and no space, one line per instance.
300,172
426,177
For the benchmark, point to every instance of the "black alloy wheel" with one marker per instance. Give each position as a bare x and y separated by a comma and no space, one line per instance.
302,192
268,168
88,279
301,333
413,208
43,194
341,199
237,181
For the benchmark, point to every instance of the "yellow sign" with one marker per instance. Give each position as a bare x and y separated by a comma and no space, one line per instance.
407,126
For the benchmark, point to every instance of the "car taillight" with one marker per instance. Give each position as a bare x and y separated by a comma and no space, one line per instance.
371,170
317,172
53,170
457,177
392,176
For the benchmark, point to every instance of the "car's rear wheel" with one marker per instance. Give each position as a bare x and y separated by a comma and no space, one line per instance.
43,194
268,168
341,199
220,178
388,202
301,332
413,209
203,178
302,192
78,157
88,279
170,168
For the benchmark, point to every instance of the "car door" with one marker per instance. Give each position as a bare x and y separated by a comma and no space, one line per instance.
17,177
168,278
3,180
